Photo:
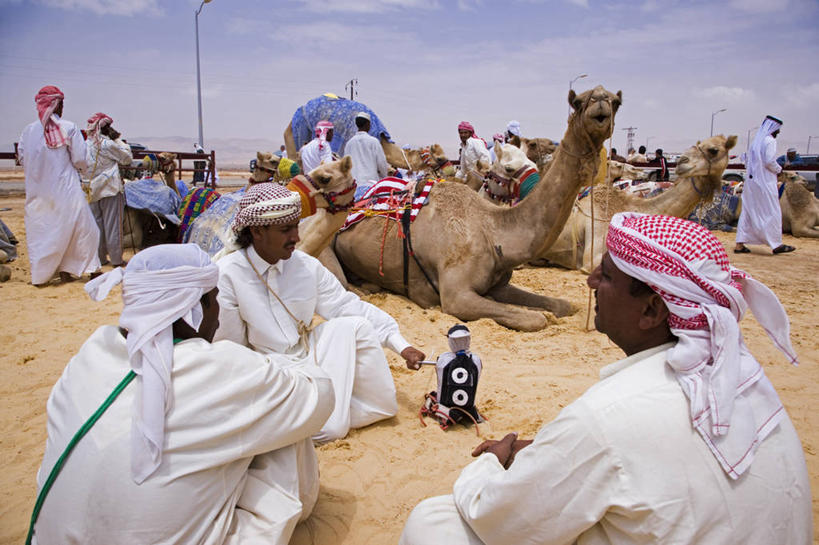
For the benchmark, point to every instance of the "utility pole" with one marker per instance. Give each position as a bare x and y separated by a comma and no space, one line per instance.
351,86
631,132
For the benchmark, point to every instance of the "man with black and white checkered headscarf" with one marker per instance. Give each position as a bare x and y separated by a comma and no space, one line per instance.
269,292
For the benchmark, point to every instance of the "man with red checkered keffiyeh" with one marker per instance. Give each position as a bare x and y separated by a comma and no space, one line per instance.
61,233
683,441
269,292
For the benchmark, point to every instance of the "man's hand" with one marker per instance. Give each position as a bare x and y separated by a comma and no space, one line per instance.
505,449
413,357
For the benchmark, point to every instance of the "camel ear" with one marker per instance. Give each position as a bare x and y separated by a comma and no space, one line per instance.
482,166
619,102
346,164
731,142
499,151
573,102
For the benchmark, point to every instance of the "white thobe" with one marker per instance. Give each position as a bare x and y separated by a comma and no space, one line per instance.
61,233
473,151
623,465
760,221
238,464
103,160
369,161
347,346
311,156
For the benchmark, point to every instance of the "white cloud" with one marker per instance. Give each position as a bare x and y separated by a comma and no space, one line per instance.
581,3
368,6
803,95
108,7
724,92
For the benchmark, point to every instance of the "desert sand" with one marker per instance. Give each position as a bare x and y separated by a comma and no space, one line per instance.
372,479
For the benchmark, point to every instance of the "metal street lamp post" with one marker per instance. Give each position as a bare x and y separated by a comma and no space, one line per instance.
649,139
712,119
198,77
570,87
809,139
748,142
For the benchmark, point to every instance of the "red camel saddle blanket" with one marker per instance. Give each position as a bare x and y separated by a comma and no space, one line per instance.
390,197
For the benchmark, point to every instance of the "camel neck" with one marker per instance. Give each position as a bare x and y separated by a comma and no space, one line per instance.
680,200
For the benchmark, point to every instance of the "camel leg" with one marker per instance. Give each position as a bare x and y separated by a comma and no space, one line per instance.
465,304
328,258
290,144
804,231
513,295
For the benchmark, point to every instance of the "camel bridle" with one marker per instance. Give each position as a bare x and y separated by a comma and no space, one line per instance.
331,197
707,174
511,183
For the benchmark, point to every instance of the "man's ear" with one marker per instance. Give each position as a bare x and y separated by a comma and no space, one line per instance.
655,313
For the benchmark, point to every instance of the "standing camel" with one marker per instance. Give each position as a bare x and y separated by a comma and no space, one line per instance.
469,247
699,175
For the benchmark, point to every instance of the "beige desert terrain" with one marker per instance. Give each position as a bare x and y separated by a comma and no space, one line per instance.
372,479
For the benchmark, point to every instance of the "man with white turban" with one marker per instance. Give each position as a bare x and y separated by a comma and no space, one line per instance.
760,221
61,234
472,150
684,441
202,443
318,150
106,152
512,135
269,292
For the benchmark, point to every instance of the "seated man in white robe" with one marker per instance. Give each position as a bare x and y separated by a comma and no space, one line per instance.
684,441
269,292
205,443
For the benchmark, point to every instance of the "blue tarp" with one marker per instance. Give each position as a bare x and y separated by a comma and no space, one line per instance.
341,112
153,195
211,229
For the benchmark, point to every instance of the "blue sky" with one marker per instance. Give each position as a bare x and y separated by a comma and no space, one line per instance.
422,65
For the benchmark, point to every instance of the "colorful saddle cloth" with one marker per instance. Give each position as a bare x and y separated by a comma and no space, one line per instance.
390,197
211,231
341,112
195,202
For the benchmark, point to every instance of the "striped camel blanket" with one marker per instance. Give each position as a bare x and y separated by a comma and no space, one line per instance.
390,197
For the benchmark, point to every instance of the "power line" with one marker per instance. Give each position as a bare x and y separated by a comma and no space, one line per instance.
351,86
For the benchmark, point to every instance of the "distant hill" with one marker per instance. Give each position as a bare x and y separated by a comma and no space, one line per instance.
231,153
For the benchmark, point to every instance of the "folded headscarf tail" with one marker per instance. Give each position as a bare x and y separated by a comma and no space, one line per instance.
47,100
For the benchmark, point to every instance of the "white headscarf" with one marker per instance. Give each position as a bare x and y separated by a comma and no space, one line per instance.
458,338
733,404
513,127
159,286
755,158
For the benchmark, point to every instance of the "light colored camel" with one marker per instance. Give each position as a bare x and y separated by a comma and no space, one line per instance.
623,170
502,183
469,247
699,172
800,209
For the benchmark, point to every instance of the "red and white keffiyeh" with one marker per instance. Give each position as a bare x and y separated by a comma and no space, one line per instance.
267,204
47,100
322,128
733,404
95,123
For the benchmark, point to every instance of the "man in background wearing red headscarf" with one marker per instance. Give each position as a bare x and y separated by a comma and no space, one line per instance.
473,149
317,151
106,152
683,441
61,234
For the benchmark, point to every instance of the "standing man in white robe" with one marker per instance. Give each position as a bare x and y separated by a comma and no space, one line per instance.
209,443
684,441
369,161
472,150
268,294
61,234
106,152
760,221
318,150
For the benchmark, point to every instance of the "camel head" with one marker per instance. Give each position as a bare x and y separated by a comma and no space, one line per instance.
788,176
593,115
624,170
334,182
706,158
510,160
167,162
538,150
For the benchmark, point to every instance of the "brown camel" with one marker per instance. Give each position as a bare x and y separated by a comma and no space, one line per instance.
468,247
538,150
800,209
699,172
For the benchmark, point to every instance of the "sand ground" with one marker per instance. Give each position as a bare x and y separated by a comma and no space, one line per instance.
371,480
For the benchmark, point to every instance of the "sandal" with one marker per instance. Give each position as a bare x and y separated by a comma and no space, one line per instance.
783,249
743,250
